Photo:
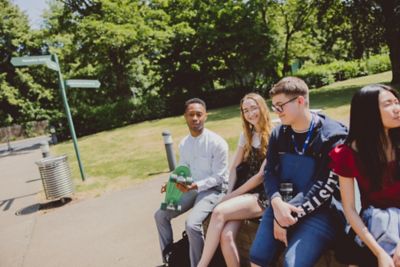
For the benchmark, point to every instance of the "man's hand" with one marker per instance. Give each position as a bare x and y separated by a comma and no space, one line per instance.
186,188
163,188
283,212
280,233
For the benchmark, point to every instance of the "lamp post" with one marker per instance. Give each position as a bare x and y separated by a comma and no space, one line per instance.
9,148
9,120
169,149
44,147
54,139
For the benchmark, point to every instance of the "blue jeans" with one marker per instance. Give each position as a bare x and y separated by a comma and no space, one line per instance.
307,240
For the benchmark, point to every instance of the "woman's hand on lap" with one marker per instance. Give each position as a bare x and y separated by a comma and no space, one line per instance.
396,256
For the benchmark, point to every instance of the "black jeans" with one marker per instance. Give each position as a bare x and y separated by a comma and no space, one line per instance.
347,251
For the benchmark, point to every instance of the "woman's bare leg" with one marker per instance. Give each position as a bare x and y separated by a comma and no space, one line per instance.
228,244
234,209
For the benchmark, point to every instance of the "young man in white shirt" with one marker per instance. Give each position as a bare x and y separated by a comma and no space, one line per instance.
206,155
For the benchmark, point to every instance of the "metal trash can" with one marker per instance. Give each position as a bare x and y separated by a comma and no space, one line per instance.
56,177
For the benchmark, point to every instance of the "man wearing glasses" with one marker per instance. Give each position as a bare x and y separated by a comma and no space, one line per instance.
302,218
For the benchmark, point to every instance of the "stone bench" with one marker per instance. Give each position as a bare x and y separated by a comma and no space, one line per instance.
246,236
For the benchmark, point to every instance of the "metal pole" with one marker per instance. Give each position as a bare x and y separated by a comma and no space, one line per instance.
54,139
69,118
9,148
44,147
169,149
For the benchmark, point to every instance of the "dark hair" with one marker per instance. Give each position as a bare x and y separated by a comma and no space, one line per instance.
367,131
291,86
195,101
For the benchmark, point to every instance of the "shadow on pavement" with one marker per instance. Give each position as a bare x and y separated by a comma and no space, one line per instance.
43,206
156,173
19,151
8,202
33,180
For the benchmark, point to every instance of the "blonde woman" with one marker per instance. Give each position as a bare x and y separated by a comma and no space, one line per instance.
246,197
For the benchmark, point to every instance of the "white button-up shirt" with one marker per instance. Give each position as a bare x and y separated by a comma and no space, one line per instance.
207,158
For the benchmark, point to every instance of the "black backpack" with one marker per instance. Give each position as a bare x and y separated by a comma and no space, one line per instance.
177,254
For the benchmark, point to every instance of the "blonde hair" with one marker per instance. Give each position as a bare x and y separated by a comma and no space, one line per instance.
264,123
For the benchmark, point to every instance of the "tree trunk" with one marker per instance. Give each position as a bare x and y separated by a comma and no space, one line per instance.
286,67
394,47
392,35
118,68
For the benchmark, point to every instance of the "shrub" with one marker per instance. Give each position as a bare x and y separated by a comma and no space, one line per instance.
319,75
316,76
378,63
343,70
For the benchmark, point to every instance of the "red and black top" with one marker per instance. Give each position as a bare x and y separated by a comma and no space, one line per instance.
345,163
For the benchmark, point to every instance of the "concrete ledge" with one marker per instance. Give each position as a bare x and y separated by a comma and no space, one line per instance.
246,236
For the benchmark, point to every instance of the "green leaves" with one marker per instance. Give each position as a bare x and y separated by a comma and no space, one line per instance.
175,49
22,96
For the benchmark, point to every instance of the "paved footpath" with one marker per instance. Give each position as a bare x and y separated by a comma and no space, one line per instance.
115,229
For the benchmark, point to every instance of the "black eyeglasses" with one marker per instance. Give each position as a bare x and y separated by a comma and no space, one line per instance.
279,108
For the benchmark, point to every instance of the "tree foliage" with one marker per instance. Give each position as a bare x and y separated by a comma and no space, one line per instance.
22,96
151,55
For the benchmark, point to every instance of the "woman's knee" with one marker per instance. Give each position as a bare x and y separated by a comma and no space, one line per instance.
218,215
227,236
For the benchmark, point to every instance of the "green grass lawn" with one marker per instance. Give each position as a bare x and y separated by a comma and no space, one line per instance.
121,157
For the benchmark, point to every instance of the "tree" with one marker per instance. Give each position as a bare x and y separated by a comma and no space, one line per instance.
367,29
391,14
295,16
367,26
115,42
216,44
23,95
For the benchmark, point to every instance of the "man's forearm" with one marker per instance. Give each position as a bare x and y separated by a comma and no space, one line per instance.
319,194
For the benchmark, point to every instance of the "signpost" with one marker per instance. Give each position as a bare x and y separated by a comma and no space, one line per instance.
35,60
82,83
31,60
51,62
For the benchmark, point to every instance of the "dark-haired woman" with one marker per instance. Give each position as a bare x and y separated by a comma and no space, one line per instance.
371,155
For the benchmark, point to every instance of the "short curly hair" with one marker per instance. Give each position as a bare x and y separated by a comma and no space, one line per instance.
195,101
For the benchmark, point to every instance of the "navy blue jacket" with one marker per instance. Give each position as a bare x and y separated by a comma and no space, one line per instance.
326,135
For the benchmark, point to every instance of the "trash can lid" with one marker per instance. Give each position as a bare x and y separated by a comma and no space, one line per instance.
50,160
